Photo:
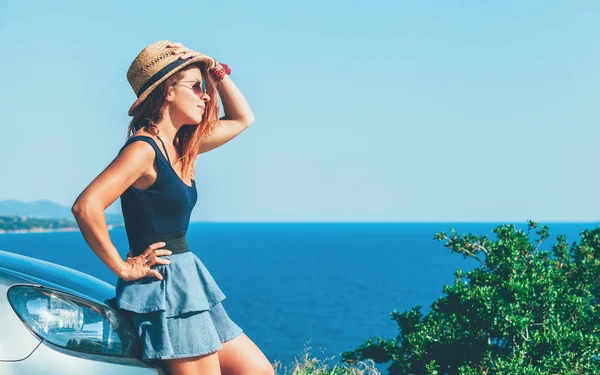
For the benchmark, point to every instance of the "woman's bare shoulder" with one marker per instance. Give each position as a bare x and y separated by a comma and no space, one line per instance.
142,132
135,149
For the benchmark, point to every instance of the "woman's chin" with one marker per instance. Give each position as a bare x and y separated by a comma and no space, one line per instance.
194,120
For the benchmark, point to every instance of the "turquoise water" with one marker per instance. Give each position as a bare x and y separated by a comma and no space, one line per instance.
287,284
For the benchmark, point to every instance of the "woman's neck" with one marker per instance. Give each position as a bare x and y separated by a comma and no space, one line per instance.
167,130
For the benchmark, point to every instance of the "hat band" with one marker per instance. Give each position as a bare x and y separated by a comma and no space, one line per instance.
160,74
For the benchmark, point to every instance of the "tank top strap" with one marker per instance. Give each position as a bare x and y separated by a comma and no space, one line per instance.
165,148
139,138
152,143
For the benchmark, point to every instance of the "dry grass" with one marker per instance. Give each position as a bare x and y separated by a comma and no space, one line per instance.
307,365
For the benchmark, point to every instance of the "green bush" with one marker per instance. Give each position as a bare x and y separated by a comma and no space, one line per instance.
521,311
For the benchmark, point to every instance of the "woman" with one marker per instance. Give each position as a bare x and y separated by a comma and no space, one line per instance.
171,297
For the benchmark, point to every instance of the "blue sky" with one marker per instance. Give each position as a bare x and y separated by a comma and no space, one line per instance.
365,111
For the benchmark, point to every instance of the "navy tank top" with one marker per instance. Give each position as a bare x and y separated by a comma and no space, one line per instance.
161,210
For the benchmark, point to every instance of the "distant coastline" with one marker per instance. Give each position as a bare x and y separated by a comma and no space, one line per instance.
24,225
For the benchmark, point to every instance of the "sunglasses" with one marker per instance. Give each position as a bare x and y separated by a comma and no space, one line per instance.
198,87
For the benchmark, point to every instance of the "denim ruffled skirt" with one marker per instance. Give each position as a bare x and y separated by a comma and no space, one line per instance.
181,315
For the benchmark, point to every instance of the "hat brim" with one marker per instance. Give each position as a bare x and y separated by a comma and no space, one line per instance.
194,60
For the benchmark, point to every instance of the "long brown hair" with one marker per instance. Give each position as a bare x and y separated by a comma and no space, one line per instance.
188,138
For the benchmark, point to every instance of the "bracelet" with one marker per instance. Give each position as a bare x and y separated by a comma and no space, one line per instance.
219,71
227,68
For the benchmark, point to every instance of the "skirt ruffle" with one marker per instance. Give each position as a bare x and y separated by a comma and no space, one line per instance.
187,335
187,286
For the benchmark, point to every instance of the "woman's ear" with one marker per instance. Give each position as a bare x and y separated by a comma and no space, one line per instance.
170,94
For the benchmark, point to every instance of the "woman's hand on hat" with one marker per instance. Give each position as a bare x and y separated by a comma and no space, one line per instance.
183,51
186,53
138,267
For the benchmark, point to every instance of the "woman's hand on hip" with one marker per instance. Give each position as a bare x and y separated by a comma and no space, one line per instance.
138,267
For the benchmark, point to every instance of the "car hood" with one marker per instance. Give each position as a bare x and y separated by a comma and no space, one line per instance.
36,271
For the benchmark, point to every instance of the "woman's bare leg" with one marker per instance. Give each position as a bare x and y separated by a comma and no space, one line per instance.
202,365
241,356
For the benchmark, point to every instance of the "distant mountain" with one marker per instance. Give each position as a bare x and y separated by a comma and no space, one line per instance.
46,209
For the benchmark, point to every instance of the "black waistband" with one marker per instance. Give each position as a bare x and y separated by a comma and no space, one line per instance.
175,242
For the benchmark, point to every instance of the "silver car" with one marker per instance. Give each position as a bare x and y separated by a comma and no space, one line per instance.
55,320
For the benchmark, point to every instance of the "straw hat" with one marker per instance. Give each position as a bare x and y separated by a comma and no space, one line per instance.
154,65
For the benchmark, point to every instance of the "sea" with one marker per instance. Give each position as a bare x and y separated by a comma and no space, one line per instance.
324,288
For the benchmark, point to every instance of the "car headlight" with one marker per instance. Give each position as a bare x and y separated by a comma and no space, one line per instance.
74,323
